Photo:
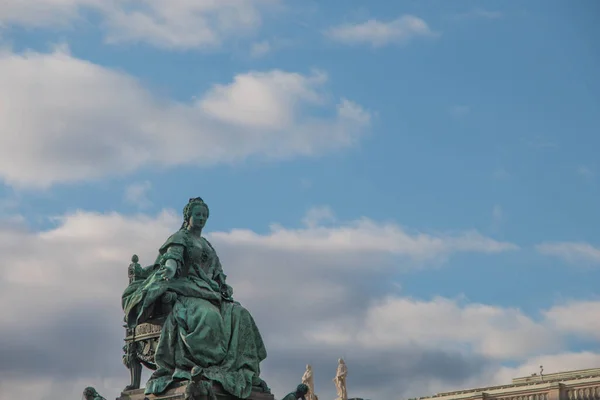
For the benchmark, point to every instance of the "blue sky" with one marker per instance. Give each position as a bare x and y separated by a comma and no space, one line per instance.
481,116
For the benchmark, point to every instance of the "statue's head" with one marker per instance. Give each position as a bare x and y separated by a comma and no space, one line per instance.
89,393
195,214
302,389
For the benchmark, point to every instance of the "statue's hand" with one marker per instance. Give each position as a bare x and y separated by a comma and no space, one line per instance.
167,272
226,293
226,297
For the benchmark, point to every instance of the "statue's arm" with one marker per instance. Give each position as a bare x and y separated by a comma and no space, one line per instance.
145,272
172,261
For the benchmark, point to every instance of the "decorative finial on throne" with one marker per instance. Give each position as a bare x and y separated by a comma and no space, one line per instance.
134,270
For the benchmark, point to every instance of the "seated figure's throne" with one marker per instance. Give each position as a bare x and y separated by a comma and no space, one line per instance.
141,341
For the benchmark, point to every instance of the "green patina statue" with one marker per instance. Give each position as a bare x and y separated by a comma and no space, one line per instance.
89,393
300,393
207,336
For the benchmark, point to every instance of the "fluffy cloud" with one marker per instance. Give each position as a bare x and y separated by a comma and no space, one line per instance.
40,13
487,330
177,24
378,33
69,279
262,100
264,47
70,120
569,319
137,194
60,313
573,252
367,237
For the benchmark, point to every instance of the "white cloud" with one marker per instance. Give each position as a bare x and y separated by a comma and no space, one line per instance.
105,242
70,120
367,236
378,33
263,100
317,215
573,318
177,24
353,112
82,261
263,47
573,252
38,13
497,217
70,279
137,194
399,321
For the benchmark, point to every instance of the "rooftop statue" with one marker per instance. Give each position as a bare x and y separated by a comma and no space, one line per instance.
300,393
309,380
89,393
340,380
206,337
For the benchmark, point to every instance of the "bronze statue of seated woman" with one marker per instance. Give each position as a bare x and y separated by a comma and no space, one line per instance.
204,334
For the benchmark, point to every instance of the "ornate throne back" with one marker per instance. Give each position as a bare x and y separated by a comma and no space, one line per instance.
141,342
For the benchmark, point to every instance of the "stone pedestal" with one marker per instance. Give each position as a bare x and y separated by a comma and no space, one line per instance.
177,392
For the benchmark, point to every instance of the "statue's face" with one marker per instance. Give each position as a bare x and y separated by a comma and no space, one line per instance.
198,217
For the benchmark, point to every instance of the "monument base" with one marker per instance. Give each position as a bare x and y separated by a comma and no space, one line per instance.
179,392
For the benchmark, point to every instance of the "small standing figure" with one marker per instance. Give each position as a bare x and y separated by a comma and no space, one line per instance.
340,380
89,393
309,380
134,270
300,393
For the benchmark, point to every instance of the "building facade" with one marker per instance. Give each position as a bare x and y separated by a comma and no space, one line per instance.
573,385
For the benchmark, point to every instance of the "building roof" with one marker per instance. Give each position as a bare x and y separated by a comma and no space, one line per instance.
533,382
